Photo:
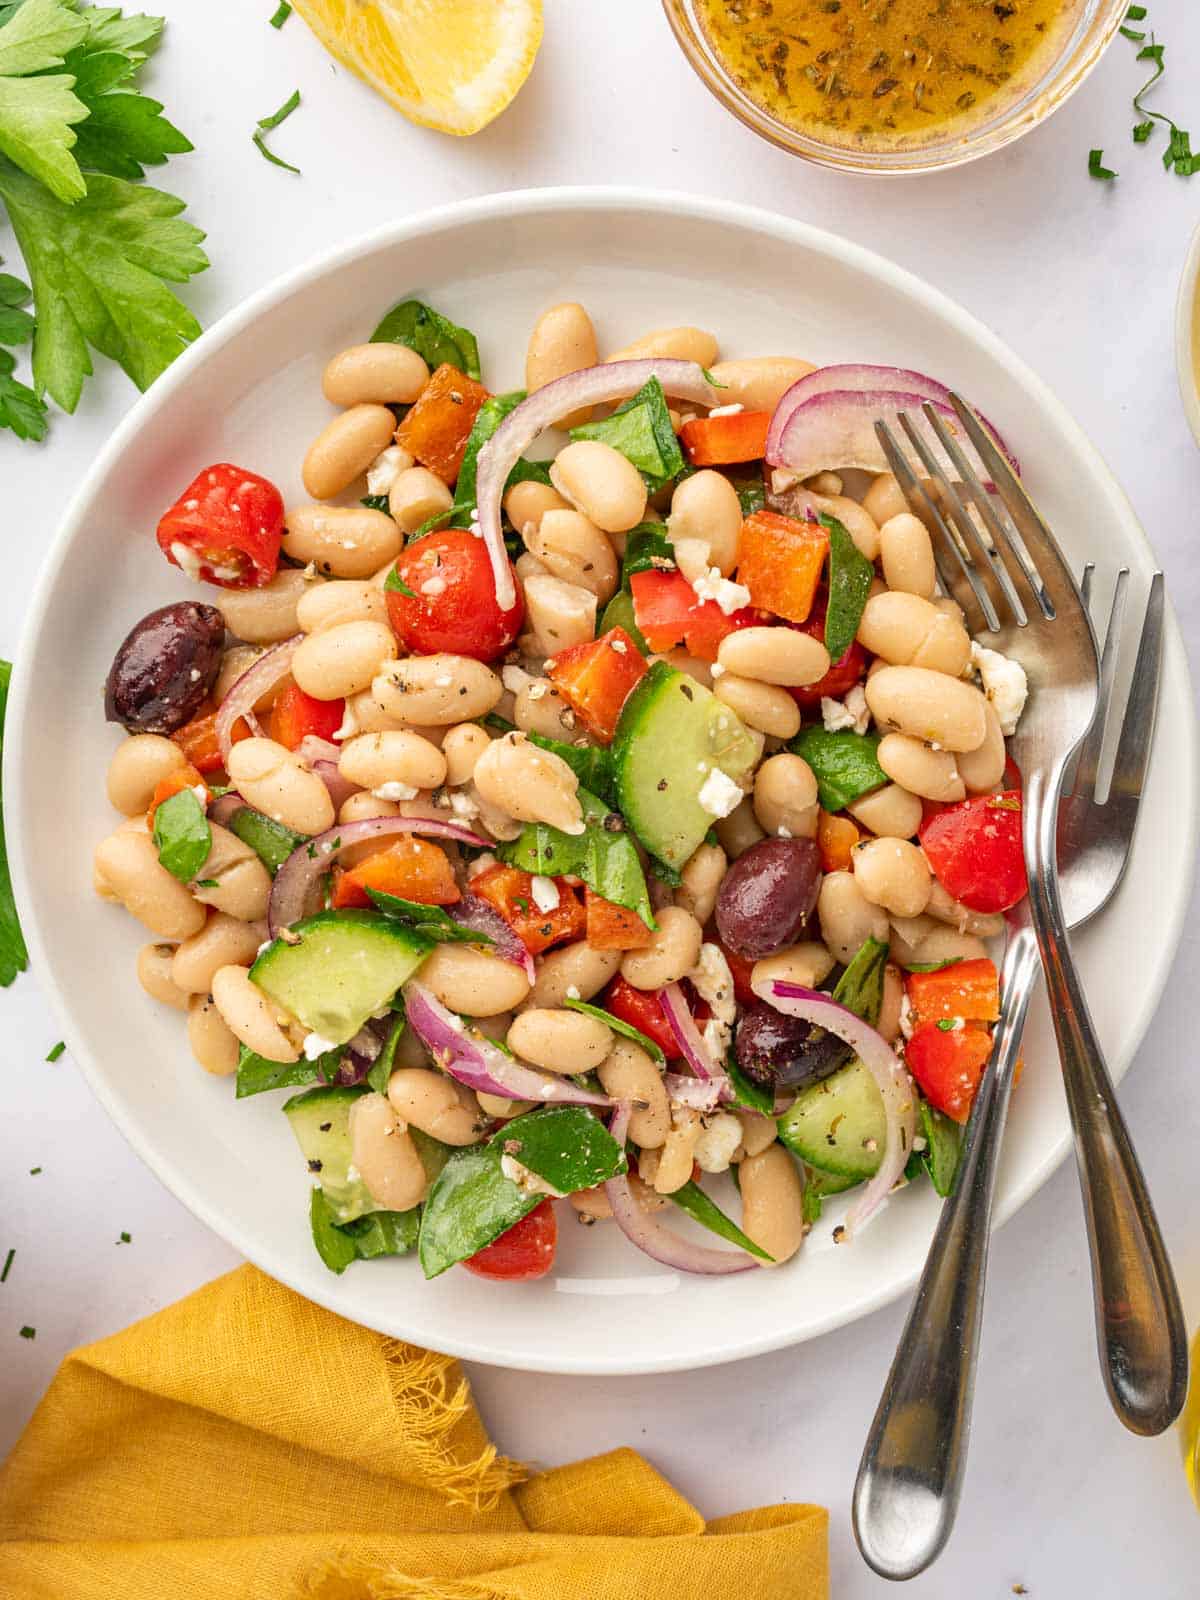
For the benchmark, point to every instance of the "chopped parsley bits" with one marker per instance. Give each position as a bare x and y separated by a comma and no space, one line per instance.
28,1333
8,1261
56,1051
265,124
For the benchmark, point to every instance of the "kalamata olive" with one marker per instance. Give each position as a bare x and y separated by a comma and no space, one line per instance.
165,667
780,1052
767,895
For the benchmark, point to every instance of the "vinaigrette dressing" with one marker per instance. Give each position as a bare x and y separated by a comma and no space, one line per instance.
884,74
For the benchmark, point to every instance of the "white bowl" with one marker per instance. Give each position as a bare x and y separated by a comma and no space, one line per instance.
249,391
1187,336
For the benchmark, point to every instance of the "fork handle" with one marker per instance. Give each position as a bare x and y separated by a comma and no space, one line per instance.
910,1476
1139,1320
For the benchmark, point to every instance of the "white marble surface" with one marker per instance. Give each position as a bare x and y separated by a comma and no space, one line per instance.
1080,278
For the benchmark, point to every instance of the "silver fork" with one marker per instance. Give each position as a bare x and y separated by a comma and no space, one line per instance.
910,1477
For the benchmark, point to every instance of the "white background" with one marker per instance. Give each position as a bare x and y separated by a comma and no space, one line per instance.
1080,278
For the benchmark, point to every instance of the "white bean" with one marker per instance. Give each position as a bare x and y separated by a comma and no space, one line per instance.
529,783
212,1042
563,341
927,705
700,878
275,781
559,614
462,747
340,541
571,547
600,482
436,691
847,917
436,1105
906,630
256,1019
127,863
472,982
785,797
559,1041
758,383
154,975
527,503
342,659
345,448
375,374
783,656
982,769
573,971
372,760
931,774
324,605
385,1155
416,495
705,508
676,344
629,1074
222,942
759,705
906,552
807,964
892,873
671,954
890,812
772,1203
139,764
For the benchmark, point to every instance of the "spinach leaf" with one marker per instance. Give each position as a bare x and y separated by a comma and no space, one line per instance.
396,583
860,987
850,575
627,1029
381,1067
618,613
271,842
692,1199
378,1233
641,430
591,764
431,922
182,835
931,966
434,337
751,493
943,1147
471,1202
256,1074
603,855
748,1093
647,548
491,414
844,764
818,1186
375,502
14,957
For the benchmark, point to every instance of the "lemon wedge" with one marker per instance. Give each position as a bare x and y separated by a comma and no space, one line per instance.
447,64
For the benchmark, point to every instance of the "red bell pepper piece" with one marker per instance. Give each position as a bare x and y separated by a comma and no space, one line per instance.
296,715
722,441
596,678
668,613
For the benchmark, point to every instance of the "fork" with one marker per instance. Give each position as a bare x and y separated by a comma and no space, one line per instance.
910,1476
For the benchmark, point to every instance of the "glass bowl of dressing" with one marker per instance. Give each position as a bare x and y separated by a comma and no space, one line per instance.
893,86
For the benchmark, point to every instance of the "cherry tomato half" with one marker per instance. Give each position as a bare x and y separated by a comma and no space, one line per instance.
225,528
975,850
948,1065
640,1008
453,602
524,1252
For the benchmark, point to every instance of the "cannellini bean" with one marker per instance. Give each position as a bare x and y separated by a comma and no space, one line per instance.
563,341
385,1155
340,541
375,374
907,555
674,1166
127,862
824,483
529,783
237,660
364,807
808,964
759,705
275,781
559,1041
342,659
527,503
847,917
235,880
892,873
628,1073
785,797
472,982
932,774
982,769
906,630
700,878
758,383
416,495
539,708
436,1105
223,941
154,975
676,344
462,748
571,547
918,939
671,954
256,1019
858,523
139,764
266,615
772,1203
945,908
705,508
374,759
345,448
212,1041
324,605
573,972
758,1132
884,499
739,830
437,690
890,812
364,714
559,614
892,1003
600,482
774,655
926,705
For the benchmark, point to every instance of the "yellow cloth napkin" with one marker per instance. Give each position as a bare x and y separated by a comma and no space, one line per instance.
247,1445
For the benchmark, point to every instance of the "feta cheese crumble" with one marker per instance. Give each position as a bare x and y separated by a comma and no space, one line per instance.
545,893
729,596
187,559
395,790
386,468
349,723
717,1142
713,982
852,713
906,1016
719,795
315,1046
528,1182
726,411
1004,683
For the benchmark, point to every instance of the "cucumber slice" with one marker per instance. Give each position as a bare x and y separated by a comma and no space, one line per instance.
320,1120
838,1125
671,734
345,966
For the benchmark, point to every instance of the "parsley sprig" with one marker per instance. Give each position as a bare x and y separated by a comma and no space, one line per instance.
1178,156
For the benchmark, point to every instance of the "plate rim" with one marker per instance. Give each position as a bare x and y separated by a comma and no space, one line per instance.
505,205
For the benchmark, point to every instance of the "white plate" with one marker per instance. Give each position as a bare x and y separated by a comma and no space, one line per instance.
249,391
1186,342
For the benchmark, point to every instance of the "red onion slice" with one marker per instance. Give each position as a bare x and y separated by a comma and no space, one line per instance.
837,430
880,1060
687,1036
312,749
297,878
847,377
698,1094
472,912
270,668
340,789
659,1243
616,380
482,1065
224,806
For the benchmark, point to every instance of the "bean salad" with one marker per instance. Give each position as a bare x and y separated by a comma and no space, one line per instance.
575,827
